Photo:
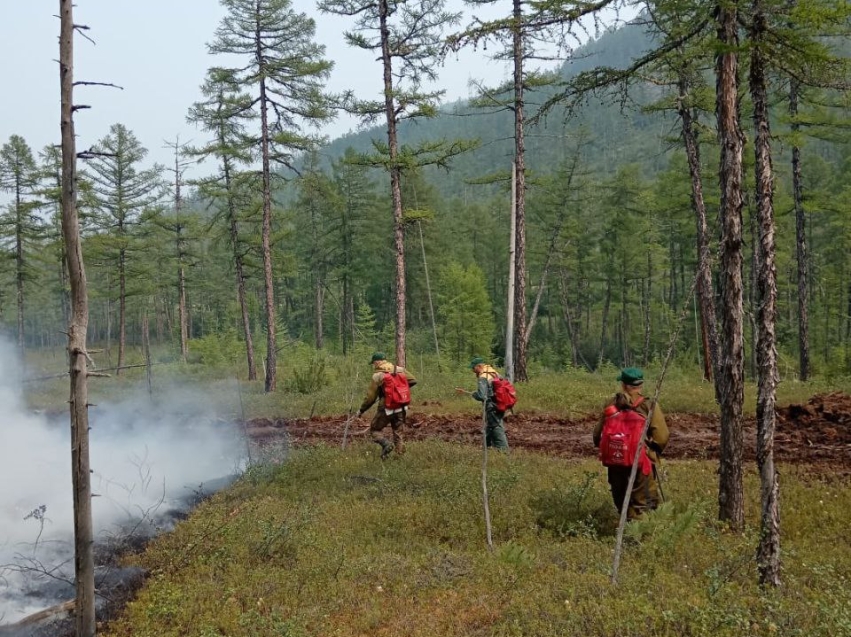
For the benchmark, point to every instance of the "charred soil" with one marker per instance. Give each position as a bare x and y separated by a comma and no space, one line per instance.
817,433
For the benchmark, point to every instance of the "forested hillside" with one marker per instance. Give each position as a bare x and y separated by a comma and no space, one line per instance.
611,236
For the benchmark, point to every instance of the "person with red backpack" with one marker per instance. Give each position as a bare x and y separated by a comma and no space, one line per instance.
617,434
498,396
390,385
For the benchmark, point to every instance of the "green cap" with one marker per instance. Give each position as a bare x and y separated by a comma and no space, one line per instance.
478,360
377,356
631,376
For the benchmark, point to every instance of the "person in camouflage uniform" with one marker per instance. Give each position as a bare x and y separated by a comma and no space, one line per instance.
494,429
645,490
385,417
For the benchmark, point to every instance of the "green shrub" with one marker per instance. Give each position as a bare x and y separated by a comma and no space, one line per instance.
575,510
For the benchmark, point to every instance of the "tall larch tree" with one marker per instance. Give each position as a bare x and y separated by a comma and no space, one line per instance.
768,552
50,191
731,351
19,176
406,35
515,34
284,70
224,113
121,191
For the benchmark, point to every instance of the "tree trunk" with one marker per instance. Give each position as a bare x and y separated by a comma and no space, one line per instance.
731,360
605,322
705,292
181,272
319,309
768,552
512,278
240,270
520,207
801,254
84,565
266,233
122,309
646,289
184,332
19,266
395,182
568,320
428,292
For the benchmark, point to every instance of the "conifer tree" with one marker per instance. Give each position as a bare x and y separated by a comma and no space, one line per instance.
731,352
357,194
406,36
283,70
19,176
224,113
121,191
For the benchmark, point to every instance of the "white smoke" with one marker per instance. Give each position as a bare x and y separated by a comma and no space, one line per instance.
148,455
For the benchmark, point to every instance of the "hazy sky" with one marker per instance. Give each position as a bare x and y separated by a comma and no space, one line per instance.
157,51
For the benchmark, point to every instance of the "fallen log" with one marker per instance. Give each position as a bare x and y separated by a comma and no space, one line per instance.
41,617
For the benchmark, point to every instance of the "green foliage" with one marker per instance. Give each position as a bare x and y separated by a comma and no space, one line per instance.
577,509
464,310
218,349
309,377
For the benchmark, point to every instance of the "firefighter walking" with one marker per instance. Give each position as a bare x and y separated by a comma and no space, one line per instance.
390,387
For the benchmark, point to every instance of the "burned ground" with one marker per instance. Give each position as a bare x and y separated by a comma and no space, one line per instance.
817,433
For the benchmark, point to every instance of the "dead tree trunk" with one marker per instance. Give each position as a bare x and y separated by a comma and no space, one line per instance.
704,257
768,552
84,566
520,372
180,246
731,358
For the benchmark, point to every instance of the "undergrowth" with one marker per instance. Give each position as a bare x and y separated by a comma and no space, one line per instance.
338,543
311,383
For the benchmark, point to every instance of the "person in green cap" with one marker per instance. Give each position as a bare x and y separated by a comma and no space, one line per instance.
645,490
494,429
394,417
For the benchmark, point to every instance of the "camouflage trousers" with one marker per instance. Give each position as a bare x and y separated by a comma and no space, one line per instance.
396,422
645,491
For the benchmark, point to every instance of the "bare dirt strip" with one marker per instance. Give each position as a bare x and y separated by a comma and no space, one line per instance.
817,433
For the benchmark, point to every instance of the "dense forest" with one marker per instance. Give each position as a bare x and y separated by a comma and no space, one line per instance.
611,240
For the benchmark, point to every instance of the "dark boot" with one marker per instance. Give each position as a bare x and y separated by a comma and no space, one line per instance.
386,449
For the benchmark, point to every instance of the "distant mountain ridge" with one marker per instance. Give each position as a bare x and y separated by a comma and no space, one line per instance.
613,138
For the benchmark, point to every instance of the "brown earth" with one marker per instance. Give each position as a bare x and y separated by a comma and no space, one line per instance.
817,433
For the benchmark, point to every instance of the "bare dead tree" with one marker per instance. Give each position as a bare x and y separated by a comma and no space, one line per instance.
84,565
178,226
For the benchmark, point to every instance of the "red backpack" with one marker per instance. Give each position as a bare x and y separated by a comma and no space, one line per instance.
397,392
504,394
621,439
